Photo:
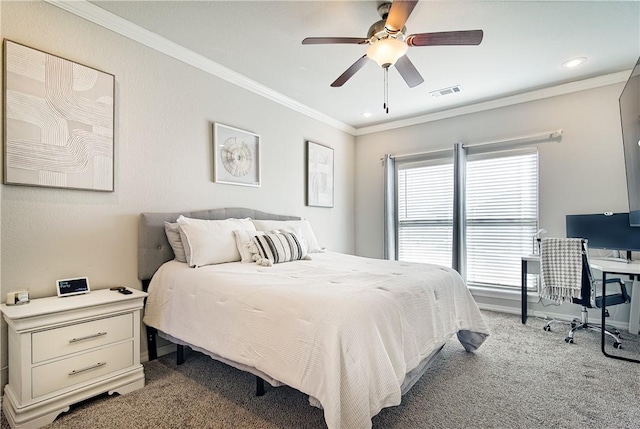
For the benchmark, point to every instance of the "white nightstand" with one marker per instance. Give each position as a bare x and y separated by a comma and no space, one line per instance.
65,350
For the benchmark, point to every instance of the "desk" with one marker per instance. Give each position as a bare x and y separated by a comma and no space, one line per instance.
619,268
531,265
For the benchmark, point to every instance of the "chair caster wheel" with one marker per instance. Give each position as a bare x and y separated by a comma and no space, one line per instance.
546,327
617,345
569,340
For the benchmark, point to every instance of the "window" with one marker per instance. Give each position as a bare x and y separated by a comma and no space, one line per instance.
501,214
425,213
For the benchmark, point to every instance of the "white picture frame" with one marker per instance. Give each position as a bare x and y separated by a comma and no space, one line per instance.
236,156
319,175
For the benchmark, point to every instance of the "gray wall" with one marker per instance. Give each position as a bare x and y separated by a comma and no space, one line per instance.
163,161
583,173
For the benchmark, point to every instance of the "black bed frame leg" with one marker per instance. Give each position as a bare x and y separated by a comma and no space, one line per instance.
259,386
152,347
180,354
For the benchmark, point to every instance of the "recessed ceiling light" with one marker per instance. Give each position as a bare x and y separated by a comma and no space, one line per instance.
366,114
573,62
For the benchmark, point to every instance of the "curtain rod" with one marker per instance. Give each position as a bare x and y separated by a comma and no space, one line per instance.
522,139
555,134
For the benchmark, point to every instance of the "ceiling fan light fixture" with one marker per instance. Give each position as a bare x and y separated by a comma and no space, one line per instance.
387,51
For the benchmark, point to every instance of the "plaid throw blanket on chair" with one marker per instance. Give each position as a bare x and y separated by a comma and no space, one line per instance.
561,268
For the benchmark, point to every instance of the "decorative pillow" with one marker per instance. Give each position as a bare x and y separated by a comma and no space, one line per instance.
269,249
185,245
208,242
307,235
173,235
243,237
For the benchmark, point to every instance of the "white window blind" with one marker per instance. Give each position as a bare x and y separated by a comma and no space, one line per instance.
425,213
501,214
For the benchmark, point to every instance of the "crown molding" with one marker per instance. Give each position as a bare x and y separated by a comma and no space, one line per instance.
110,21
553,91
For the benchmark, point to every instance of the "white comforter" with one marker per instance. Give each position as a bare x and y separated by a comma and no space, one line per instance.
343,329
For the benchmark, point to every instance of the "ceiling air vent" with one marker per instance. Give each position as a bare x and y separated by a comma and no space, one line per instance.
446,91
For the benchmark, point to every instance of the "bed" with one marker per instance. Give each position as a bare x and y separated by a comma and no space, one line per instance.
353,333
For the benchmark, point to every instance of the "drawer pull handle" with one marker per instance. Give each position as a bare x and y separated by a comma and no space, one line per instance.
88,337
78,371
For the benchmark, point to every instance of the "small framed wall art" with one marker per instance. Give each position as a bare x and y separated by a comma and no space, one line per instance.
236,156
319,175
58,118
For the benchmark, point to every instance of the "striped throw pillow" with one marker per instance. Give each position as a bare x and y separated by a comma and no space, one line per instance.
269,249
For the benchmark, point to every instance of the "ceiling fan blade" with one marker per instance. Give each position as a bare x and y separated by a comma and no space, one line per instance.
408,71
469,37
350,72
398,14
327,40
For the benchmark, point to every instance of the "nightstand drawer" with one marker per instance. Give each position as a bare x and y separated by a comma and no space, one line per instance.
77,369
58,342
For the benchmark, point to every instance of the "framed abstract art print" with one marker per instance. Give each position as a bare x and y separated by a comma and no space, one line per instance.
59,122
236,156
319,175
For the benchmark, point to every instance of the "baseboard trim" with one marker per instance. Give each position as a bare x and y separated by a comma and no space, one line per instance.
546,315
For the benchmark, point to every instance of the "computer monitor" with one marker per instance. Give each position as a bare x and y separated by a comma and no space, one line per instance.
605,231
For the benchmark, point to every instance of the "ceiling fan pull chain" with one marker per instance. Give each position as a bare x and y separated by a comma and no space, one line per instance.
385,106
384,91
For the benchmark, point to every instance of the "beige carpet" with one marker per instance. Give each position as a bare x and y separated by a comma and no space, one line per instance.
522,377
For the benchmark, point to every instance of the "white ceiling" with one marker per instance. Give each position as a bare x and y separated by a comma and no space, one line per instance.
524,45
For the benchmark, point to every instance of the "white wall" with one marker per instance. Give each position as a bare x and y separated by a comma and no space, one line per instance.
163,161
583,173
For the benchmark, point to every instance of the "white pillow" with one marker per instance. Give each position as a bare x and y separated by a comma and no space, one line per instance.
209,242
185,245
173,235
308,236
243,237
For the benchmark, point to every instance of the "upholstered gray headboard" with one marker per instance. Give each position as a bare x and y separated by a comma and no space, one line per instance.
153,246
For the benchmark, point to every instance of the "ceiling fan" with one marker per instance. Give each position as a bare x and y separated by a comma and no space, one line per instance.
388,42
